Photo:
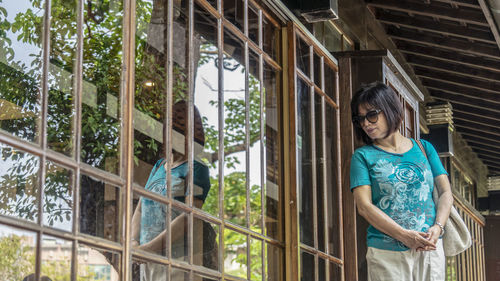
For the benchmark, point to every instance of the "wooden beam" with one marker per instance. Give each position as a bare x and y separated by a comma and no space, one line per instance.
478,139
464,3
472,131
452,67
492,164
481,112
429,25
469,101
442,42
482,129
444,86
475,119
443,11
450,56
490,20
481,145
493,86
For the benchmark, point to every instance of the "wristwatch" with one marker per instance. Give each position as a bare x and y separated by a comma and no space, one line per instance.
442,229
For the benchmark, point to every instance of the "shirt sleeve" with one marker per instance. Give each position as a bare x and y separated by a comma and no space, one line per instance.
433,157
359,170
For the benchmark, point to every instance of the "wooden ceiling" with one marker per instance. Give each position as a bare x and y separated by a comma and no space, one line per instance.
453,47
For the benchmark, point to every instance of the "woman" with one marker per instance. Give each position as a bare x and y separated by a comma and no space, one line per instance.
392,182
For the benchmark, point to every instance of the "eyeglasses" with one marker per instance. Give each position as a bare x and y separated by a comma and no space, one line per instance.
371,116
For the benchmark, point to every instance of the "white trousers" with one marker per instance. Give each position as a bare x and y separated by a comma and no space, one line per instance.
384,265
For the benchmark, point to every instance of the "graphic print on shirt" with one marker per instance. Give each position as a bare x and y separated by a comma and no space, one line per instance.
403,193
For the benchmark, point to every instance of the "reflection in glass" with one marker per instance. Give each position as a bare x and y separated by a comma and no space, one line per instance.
274,262
19,183
62,56
322,269
304,163
235,253
58,197
253,24
206,147
318,119
97,264
273,203
330,82
180,242
335,271
179,274
333,204
333,41
99,208
20,67
235,181
257,270
18,253
271,38
307,270
255,175
234,13
302,56
102,66
317,70
203,278
205,244
146,270
56,258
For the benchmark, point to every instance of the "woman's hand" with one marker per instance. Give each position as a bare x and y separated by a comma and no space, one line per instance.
417,240
433,235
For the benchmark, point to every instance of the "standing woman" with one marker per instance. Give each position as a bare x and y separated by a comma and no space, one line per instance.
392,182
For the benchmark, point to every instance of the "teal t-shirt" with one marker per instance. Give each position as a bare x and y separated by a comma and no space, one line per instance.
401,186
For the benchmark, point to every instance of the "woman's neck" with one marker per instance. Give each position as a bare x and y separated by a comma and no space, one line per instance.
394,142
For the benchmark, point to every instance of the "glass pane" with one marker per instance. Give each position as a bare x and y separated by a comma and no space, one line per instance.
235,180
253,23
17,260
302,56
206,95
58,197
333,41
146,270
203,278
56,258
150,90
61,107
179,227
256,163
256,269
271,38
97,264
179,275
234,13
148,225
320,186
205,244
332,197
330,82
317,71
99,208
304,163
346,45
273,200
102,66
322,269
335,272
21,67
274,262
307,270
19,183
235,253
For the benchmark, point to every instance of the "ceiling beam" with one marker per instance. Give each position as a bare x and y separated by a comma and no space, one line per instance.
443,42
481,145
464,3
480,112
469,101
478,139
460,90
443,11
488,163
451,67
489,18
450,56
472,131
475,119
493,86
483,129
437,27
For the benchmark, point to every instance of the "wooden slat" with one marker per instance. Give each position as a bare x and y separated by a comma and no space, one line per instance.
480,139
453,68
443,42
469,101
450,56
460,90
490,20
473,131
465,3
486,152
443,11
481,112
437,27
488,163
493,86
475,119
483,129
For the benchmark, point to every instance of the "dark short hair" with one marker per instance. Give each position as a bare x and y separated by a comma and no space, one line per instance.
379,96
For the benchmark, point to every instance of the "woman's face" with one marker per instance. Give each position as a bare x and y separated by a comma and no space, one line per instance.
376,130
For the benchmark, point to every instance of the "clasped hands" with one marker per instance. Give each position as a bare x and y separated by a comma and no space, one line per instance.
422,241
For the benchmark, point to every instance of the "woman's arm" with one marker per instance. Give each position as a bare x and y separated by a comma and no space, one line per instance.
443,206
158,243
381,221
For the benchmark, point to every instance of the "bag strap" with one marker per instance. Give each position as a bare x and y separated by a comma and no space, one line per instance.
421,148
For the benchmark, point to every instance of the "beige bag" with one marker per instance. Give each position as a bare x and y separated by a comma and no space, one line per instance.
456,237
